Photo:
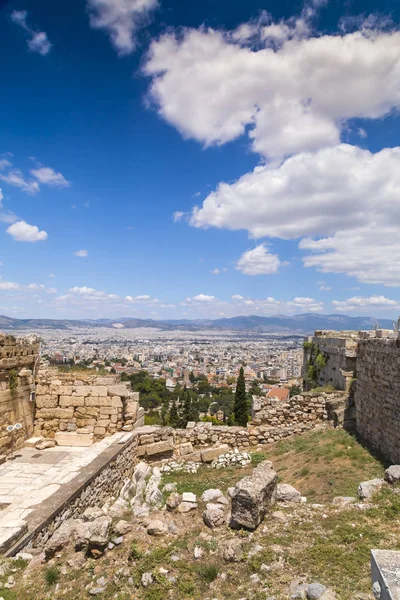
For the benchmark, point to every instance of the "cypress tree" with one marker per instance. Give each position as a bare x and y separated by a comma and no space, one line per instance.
173,414
240,408
186,406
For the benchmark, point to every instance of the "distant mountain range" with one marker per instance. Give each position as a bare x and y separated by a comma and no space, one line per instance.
296,324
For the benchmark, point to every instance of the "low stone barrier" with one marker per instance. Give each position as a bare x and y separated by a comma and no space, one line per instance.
102,478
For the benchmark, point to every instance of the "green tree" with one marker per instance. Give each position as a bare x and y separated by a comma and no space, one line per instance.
240,407
173,414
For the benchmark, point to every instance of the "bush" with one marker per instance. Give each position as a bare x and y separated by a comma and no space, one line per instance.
52,575
208,572
134,552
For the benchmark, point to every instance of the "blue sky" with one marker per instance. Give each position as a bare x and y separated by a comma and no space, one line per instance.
163,158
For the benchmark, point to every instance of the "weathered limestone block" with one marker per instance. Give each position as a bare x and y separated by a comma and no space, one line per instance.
46,401
52,413
120,389
67,401
116,402
164,447
97,401
71,438
90,390
209,454
253,496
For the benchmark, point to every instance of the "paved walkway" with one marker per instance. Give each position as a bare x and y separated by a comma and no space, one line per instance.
33,476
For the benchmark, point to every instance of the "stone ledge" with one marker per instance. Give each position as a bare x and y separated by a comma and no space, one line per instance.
48,510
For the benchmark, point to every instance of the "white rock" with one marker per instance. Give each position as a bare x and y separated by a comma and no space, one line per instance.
189,497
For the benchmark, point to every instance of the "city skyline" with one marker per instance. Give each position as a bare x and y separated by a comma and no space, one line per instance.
169,161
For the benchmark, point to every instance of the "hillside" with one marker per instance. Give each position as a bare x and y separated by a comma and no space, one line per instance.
301,324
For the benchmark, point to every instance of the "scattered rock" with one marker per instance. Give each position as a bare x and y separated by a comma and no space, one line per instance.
189,497
169,488
96,591
62,537
173,501
119,508
118,540
92,513
94,535
253,497
287,493
198,552
367,489
45,444
315,591
157,527
213,517
147,579
185,507
233,551
343,500
211,494
141,511
278,515
122,527
392,474
154,496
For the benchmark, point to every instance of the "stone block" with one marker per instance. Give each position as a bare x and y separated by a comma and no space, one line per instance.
55,413
72,438
119,389
46,401
67,401
116,402
97,401
209,454
108,410
253,496
165,447
99,431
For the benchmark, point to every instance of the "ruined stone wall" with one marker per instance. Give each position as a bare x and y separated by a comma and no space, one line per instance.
102,485
17,362
89,405
273,421
339,349
377,394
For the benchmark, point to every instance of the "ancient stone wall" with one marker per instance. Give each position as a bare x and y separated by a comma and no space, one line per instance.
272,421
339,349
18,358
85,405
377,394
103,484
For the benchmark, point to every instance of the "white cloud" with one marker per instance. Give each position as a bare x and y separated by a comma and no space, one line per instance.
16,178
81,253
362,133
121,19
308,194
8,285
258,261
51,290
178,216
325,288
202,298
36,286
359,303
37,40
215,271
23,232
367,253
210,306
48,176
288,99
52,275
